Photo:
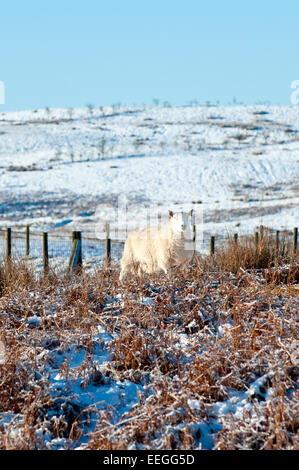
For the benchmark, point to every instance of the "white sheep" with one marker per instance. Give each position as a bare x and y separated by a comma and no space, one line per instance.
153,249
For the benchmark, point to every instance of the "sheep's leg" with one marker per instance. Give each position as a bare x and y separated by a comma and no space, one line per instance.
125,270
166,269
169,273
145,268
122,275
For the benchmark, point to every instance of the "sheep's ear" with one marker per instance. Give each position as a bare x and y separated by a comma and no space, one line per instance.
170,214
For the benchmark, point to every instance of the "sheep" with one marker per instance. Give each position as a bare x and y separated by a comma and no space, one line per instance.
154,249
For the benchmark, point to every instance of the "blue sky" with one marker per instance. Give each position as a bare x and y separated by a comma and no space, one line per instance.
71,53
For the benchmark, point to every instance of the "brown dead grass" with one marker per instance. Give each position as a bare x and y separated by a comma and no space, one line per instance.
218,326
247,254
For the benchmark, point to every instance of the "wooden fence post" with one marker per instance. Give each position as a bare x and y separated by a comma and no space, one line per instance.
277,241
261,233
108,244
212,245
194,237
295,237
8,243
79,238
76,253
256,239
45,253
27,240
74,236
73,251
235,238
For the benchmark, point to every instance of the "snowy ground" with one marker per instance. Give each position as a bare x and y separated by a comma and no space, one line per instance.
237,167
63,170
143,365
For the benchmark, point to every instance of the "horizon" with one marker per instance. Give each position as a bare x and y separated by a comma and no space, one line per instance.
115,106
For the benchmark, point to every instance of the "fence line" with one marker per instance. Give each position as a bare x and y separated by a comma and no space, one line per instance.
73,248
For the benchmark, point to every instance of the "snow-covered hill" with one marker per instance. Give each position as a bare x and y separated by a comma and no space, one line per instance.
237,167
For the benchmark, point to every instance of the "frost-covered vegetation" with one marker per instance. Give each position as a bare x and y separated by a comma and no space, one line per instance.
205,360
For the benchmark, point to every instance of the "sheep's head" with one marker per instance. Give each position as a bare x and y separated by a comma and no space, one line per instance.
180,223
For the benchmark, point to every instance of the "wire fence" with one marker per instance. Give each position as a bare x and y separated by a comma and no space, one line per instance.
18,244
59,246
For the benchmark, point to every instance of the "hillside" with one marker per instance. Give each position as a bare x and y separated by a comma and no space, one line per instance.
73,168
